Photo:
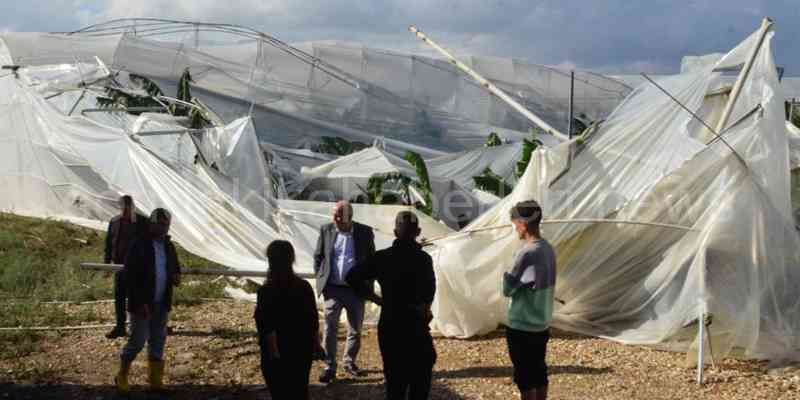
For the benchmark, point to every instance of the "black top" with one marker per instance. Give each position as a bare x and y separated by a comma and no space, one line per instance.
291,313
408,284
116,237
140,273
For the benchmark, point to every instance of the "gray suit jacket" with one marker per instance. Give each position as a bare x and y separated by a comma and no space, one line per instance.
363,243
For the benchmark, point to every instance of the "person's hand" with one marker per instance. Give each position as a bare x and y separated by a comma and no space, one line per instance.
425,312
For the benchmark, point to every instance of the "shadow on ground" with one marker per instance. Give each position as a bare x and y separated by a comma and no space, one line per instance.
361,389
499,372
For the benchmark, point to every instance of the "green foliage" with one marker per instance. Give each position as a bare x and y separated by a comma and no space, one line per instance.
578,127
528,147
796,117
116,98
493,140
492,183
149,86
184,94
377,193
423,184
198,115
338,146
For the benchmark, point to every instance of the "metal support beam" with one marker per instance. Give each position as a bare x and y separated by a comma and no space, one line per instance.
571,104
195,271
489,86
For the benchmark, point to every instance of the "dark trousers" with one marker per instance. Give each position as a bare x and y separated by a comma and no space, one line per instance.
286,378
119,299
528,351
407,365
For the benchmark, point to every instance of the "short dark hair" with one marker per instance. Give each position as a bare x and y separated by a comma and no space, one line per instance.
159,214
126,200
280,257
528,211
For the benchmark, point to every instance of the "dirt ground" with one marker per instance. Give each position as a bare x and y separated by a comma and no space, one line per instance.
213,354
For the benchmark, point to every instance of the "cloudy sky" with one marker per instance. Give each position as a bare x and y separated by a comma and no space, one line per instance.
613,36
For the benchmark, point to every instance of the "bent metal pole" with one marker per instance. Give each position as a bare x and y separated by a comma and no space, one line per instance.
766,25
489,86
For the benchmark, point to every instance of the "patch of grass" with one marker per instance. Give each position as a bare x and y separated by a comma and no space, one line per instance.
191,291
39,261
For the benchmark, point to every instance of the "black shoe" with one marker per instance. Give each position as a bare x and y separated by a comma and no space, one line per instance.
353,370
118,331
327,376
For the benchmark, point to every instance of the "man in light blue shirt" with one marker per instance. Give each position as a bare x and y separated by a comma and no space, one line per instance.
161,270
342,244
344,257
151,270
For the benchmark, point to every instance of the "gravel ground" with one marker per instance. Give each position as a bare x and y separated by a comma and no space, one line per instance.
213,354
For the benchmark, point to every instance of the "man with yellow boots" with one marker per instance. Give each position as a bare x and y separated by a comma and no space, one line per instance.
151,270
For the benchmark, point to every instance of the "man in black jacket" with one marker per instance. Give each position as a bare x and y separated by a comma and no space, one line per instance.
341,245
408,284
151,270
123,230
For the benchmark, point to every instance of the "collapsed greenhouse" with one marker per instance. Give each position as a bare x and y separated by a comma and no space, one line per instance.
660,218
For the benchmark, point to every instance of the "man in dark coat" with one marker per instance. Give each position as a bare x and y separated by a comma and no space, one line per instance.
341,245
408,284
151,270
123,230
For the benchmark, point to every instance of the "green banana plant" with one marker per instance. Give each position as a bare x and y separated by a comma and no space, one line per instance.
528,147
493,140
490,182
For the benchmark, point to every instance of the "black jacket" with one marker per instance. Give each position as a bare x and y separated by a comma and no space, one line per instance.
140,229
140,273
408,285
291,313
363,246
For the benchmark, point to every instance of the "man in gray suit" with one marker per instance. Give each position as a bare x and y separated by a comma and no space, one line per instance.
341,245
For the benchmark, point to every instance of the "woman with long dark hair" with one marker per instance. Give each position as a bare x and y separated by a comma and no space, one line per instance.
288,326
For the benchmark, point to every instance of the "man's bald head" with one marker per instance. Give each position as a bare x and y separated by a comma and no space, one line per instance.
343,215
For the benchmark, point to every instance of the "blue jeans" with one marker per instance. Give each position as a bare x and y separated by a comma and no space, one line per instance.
152,330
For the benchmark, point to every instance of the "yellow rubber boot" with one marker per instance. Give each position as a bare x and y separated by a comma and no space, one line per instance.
156,375
121,379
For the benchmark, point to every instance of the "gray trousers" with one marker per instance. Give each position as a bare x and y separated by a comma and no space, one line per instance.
152,330
336,298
